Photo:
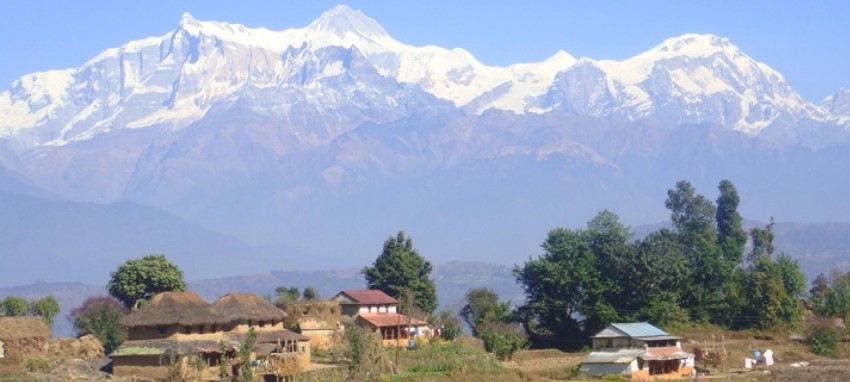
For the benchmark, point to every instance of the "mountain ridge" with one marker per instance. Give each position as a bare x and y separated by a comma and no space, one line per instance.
188,70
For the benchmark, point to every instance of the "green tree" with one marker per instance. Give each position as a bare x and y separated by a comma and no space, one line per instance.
400,269
14,306
246,372
46,307
101,316
556,285
655,281
762,242
836,298
730,234
483,307
792,276
310,294
771,288
287,294
693,219
137,280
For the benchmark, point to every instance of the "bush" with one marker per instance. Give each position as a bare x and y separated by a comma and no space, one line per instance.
823,337
36,364
100,316
503,340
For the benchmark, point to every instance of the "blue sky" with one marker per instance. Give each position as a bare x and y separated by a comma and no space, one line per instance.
809,42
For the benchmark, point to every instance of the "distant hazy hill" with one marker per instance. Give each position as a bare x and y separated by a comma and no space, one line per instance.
61,241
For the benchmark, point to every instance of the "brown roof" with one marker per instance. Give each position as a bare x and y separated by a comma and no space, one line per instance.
23,327
245,306
174,308
369,297
389,320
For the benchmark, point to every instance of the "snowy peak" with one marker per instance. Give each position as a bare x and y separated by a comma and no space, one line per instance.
692,44
341,20
838,103
186,20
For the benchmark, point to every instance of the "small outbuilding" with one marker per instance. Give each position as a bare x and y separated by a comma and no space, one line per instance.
23,337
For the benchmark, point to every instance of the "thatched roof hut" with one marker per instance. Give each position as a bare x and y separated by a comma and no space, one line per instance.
174,308
23,337
12,328
247,306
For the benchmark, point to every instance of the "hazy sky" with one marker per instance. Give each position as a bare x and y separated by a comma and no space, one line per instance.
807,41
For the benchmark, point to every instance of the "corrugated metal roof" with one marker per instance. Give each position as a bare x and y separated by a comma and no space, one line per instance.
639,329
368,297
620,356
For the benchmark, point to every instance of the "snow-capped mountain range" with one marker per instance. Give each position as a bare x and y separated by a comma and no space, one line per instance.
175,79
323,140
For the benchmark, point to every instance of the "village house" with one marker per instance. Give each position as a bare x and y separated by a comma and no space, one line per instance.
23,337
319,320
376,310
638,351
181,327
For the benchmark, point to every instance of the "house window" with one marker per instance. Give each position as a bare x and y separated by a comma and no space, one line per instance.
250,323
161,329
200,329
214,328
262,323
187,329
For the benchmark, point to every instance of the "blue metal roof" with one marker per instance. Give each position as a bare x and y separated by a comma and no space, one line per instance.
640,329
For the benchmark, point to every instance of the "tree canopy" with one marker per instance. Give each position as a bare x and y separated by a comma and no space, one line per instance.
399,269
484,307
100,317
588,278
137,280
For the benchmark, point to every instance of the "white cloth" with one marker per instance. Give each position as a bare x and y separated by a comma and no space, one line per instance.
768,357
748,363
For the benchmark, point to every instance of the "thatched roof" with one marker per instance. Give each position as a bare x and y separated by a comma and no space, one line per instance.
23,327
174,308
247,306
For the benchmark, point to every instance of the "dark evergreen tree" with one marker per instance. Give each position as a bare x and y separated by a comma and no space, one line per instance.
399,270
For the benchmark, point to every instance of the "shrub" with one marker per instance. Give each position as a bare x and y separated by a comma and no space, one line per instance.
100,316
36,364
823,337
503,340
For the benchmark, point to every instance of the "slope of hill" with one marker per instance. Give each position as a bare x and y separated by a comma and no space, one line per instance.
59,241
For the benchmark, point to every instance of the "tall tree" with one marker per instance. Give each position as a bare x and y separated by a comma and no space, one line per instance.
556,285
693,218
137,280
400,269
483,307
762,242
730,234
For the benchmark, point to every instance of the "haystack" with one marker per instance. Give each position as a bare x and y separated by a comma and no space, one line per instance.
247,306
23,337
174,308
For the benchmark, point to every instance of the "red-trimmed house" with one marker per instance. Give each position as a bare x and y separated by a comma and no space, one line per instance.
378,311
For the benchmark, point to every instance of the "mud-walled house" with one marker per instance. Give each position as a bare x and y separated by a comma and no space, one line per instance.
376,310
180,331
639,351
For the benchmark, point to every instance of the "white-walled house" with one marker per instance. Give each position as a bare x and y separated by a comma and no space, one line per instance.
639,351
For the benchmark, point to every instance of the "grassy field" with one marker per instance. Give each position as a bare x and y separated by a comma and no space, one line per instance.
466,360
